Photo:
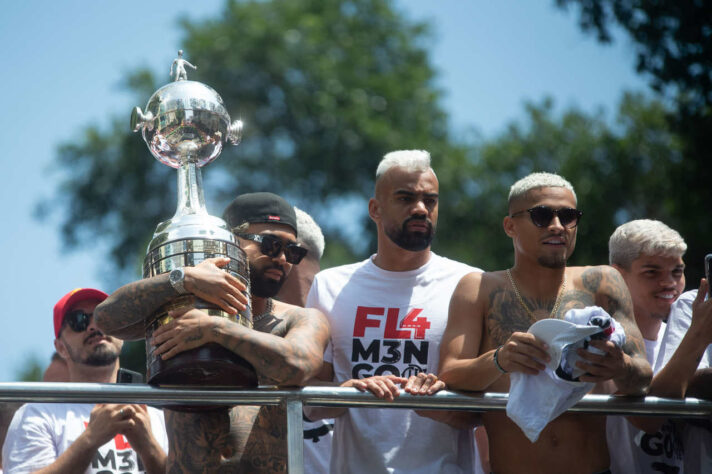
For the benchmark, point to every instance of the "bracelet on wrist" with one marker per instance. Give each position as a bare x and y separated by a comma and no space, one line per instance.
496,362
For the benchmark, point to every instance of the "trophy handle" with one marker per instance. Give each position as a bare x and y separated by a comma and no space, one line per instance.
234,132
139,120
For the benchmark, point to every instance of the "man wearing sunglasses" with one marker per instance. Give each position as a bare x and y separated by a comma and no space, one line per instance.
318,434
486,337
77,437
387,315
285,347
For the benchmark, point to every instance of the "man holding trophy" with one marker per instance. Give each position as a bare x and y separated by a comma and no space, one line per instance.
193,305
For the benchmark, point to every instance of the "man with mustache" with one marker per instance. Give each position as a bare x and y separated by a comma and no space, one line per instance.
387,315
285,347
318,434
486,337
78,437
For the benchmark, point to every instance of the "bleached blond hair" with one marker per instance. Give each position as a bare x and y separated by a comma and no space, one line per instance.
643,237
410,160
309,233
536,181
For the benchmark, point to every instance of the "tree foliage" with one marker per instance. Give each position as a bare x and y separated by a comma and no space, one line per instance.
325,89
673,38
620,172
32,370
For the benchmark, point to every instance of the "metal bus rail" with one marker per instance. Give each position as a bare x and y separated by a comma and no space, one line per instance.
295,399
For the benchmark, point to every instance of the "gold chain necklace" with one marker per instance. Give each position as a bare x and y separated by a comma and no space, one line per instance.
524,305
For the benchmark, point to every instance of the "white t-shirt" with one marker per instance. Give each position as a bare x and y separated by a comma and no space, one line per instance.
40,432
697,439
634,451
384,323
678,324
318,436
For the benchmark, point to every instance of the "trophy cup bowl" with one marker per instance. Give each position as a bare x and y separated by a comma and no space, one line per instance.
185,126
185,118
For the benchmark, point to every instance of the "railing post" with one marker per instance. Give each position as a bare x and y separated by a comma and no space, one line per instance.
295,436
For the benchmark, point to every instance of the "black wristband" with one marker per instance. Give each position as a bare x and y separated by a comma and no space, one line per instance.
496,362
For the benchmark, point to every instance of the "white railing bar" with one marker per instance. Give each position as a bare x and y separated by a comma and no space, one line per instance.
295,436
328,396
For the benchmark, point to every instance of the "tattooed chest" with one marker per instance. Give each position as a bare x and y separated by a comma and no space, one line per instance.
505,319
274,325
507,314
258,437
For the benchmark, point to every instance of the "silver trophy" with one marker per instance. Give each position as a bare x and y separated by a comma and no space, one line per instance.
185,125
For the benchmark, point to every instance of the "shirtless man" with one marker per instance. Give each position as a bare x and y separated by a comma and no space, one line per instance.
490,313
285,347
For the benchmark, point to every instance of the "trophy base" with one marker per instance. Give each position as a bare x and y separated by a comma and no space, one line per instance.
208,367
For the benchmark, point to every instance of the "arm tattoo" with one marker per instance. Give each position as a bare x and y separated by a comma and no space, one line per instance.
292,356
574,299
591,280
123,313
612,295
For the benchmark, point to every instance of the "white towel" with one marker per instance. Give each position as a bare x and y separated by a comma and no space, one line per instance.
535,400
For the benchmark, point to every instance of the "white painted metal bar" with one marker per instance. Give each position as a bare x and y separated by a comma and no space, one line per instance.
294,400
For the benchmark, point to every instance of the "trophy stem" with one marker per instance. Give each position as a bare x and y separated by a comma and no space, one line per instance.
190,191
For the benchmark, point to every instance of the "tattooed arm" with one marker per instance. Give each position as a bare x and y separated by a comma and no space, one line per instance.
123,313
627,366
289,360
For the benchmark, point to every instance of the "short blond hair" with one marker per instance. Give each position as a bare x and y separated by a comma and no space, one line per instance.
643,237
536,181
410,160
310,234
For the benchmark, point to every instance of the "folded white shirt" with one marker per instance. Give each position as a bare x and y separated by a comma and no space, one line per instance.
535,400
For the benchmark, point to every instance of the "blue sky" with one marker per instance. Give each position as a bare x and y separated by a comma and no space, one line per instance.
62,63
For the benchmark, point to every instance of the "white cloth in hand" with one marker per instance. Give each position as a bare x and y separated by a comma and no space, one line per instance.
535,400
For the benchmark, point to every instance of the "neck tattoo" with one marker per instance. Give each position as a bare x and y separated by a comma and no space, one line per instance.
256,318
557,303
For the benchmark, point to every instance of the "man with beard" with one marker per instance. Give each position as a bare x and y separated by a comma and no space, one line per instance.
285,347
77,437
387,315
490,313
318,434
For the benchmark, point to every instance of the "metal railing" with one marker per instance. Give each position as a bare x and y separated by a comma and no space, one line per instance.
295,399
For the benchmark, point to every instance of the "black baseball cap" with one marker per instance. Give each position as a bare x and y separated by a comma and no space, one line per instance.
260,208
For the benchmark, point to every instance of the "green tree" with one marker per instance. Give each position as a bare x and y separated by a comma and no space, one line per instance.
32,370
325,89
673,40
597,157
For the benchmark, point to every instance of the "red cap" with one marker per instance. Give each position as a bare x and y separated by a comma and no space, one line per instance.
72,298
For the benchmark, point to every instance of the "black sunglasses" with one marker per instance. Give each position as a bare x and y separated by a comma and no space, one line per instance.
78,320
272,246
542,215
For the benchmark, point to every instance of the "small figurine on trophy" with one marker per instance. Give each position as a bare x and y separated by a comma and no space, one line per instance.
185,126
180,64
